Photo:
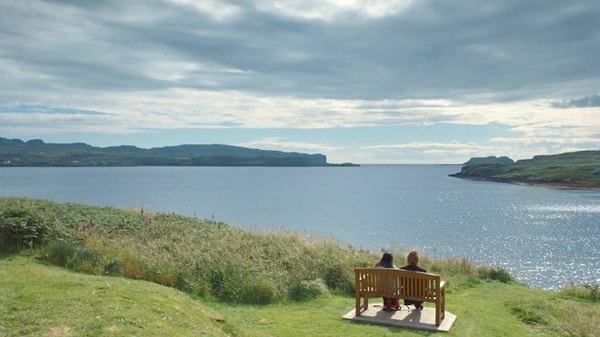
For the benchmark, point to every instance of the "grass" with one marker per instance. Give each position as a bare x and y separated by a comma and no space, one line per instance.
212,279
38,300
488,309
573,169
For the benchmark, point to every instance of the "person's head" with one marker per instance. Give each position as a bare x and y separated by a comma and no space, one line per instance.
387,259
412,258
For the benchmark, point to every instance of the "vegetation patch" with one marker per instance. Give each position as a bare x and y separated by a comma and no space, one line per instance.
586,292
531,313
37,300
255,283
570,170
21,228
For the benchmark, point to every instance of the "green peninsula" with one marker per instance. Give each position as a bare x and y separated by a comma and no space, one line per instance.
579,170
18,153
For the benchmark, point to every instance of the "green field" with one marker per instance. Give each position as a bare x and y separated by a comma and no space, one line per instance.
569,170
77,270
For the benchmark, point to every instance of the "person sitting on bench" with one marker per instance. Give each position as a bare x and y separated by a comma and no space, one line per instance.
413,260
387,261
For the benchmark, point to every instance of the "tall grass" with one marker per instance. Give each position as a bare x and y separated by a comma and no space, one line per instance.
208,258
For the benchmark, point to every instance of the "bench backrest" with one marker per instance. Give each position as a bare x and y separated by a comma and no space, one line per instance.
397,283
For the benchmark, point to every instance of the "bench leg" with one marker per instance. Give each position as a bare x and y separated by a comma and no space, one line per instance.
358,307
443,302
440,307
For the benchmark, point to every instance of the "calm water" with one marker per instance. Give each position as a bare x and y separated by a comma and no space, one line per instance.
545,237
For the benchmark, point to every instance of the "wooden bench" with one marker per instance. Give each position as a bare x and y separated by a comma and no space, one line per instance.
401,284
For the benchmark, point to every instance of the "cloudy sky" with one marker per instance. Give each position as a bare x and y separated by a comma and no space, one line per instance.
363,81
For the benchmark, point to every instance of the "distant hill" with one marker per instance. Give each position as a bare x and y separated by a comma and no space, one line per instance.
571,170
15,152
489,160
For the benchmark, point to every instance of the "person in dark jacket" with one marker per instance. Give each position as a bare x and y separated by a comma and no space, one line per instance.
412,260
387,261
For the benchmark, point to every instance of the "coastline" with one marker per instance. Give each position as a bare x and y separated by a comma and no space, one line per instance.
529,182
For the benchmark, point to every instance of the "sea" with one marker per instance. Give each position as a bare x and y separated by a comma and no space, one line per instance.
545,237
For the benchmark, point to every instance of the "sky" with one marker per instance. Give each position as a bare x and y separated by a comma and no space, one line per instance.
361,81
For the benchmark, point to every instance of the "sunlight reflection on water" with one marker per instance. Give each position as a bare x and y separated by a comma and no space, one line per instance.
563,208
545,237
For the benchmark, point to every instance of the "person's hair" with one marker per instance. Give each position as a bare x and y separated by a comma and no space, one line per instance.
412,258
387,260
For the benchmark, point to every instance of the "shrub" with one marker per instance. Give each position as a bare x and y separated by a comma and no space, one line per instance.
305,290
21,228
132,266
112,268
337,279
74,257
159,274
58,253
236,283
499,274
265,292
584,292
87,261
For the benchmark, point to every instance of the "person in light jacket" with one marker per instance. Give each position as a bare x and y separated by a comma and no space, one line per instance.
412,260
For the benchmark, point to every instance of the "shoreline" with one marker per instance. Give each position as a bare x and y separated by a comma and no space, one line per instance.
534,183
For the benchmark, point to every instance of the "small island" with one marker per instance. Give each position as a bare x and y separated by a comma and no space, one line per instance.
577,170
34,153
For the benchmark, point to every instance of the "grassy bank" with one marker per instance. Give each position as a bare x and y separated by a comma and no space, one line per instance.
567,170
37,300
221,280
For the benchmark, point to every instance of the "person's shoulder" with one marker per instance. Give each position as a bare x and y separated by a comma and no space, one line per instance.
413,268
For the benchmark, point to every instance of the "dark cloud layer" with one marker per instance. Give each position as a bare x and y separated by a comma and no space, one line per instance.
433,49
367,81
583,102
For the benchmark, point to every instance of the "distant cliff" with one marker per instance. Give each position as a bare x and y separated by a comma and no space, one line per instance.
570,170
15,152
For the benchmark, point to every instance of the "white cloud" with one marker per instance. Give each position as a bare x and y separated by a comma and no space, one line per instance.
452,152
329,10
279,143
188,108
218,10
439,146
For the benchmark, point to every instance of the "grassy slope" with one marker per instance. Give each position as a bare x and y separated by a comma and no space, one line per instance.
38,300
579,168
573,169
477,316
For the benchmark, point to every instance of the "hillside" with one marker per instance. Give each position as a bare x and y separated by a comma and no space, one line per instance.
40,300
211,279
18,153
568,170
